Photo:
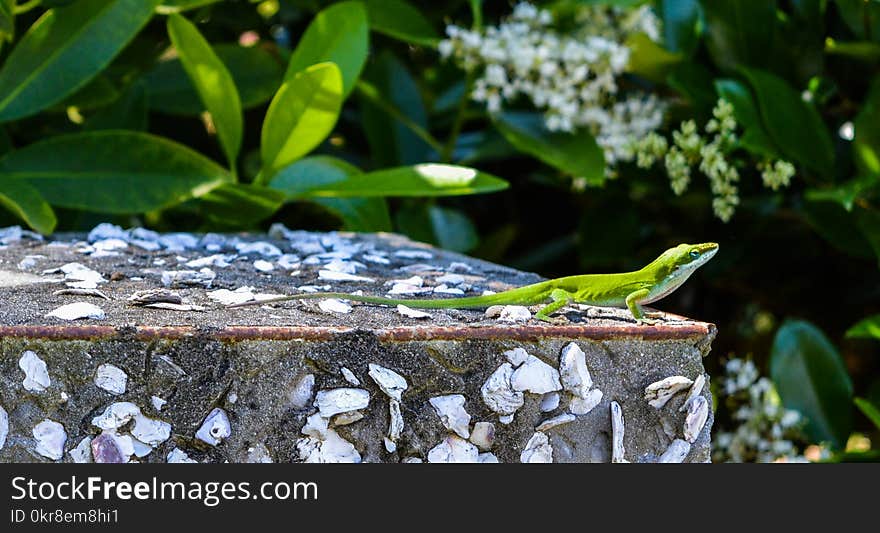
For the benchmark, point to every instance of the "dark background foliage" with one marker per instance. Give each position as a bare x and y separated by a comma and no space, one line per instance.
808,252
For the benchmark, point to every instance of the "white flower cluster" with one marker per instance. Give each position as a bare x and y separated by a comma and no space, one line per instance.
765,432
571,77
691,149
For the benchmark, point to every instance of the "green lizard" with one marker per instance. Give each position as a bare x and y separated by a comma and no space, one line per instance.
629,289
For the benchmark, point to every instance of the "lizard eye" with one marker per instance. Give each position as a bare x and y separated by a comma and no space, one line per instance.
695,254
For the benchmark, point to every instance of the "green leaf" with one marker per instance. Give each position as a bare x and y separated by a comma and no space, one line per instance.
311,173
301,116
680,18
391,142
794,125
650,60
418,180
127,113
866,143
64,49
212,81
846,193
400,20
860,50
838,227
256,73
862,17
740,32
694,81
241,204
868,328
755,138
868,221
869,410
27,203
7,20
453,229
177,6
358,214
339,34
811,378
574,154
113,171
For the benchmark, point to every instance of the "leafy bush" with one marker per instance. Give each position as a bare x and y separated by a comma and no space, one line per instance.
622,127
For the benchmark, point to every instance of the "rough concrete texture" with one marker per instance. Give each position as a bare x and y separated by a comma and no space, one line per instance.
266,383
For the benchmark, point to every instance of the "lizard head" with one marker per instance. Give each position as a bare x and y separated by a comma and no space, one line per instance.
685,258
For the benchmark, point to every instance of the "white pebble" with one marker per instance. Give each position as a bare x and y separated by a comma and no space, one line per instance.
617,433
514,314
179,456
536,376
76,311
335,401
550,401
697,414
50,436
389,381
498,393
262,265
660,392
675,452
537,450
4,426
454,449
573,371
582,406
111,378
517,356
450,409
349,376
412,313
215,428
334,306
551,423
82,453
36,375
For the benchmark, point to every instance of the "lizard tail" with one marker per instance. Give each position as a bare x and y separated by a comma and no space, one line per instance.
519,296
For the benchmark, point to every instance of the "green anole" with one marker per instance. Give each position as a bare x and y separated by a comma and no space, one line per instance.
628,289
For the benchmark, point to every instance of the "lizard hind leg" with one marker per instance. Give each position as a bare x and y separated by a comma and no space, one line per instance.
559,299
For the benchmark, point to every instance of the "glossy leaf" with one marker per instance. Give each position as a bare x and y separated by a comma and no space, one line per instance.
256,73
741,32
401,20
302,114
781,106
129,112
869,410
7,20
312,173
64,49
339,34
212,81
27,203
680,18
812,379
650,60
391,142
113,171
755,138
453,229
574,154
868,328
177,6
418,180
866,143
241,204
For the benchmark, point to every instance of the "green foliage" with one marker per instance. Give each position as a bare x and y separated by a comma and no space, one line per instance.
212,81
812,379
576,155
65,49
113,171
301,115
339,34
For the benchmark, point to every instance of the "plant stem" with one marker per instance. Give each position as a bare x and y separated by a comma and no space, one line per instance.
25,7
370,92
446,155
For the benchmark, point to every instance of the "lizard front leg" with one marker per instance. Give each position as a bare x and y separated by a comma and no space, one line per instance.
633,301
559,299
